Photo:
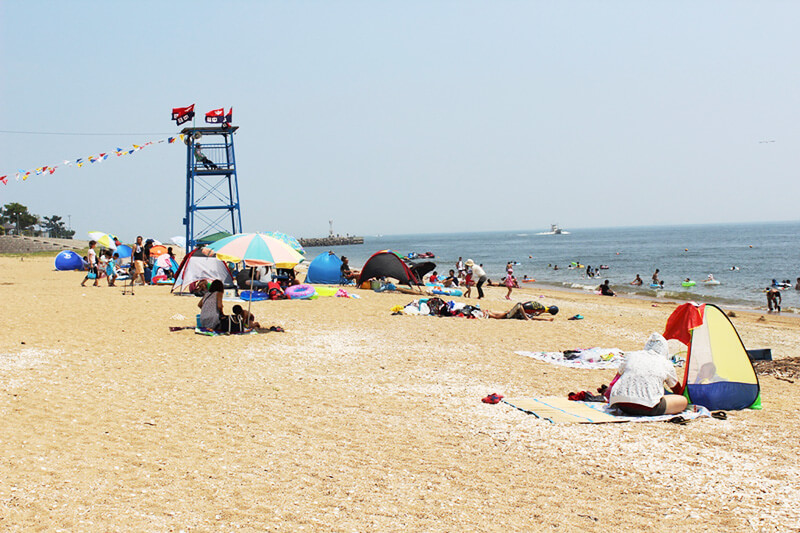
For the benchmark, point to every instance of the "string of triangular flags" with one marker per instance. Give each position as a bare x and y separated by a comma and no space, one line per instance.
79,162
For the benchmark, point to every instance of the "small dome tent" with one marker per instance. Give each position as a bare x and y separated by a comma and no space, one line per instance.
719,374
387,263
325,268
68,260
199,265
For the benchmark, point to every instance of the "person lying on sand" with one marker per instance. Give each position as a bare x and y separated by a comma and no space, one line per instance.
525,311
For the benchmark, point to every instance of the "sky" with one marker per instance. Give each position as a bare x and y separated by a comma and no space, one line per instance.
409,117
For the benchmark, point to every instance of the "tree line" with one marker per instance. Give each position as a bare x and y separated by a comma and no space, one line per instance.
16,219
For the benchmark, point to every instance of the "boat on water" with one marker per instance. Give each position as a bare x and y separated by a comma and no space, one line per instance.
554,230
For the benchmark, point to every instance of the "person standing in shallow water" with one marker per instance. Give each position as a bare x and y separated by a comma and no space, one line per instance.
655,277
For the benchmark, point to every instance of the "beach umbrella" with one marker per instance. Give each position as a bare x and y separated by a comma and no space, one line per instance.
256,249
124,251
104,240
288,239
158,250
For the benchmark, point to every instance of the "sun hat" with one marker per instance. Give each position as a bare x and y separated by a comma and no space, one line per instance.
469,262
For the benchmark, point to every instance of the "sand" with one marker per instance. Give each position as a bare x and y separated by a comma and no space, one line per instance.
357,420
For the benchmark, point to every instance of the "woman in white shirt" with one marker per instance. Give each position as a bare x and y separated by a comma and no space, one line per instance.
639,389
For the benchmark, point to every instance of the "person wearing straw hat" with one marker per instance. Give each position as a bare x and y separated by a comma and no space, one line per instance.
479,274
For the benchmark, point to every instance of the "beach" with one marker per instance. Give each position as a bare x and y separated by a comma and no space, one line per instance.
354,419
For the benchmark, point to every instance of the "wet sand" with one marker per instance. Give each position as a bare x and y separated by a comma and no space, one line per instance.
357,420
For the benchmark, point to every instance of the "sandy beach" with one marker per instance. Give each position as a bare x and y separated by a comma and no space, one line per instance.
356,420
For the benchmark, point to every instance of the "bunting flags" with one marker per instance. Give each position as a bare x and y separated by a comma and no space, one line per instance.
79,162
179,114
182,114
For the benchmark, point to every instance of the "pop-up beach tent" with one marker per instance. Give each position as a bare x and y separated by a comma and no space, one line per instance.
198,265
325,268
718,374
68,260
388,264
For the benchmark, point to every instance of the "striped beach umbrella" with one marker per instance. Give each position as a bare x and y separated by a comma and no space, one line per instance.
104,240
256,249
288,239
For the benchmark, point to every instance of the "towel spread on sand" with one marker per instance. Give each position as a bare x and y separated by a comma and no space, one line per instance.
211,333
588,358
560,410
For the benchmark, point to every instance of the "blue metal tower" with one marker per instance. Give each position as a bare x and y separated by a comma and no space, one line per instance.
212,188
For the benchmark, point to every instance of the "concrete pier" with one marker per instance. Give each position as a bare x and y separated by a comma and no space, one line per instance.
330,241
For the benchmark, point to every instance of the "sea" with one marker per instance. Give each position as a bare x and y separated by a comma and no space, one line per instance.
744,258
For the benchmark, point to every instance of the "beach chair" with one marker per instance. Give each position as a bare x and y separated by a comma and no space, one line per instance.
127,280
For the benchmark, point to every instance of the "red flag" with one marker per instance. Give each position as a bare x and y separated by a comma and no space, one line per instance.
182,114
215,116
229,117
4,179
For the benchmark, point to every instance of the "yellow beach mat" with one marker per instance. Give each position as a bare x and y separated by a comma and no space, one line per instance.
561,410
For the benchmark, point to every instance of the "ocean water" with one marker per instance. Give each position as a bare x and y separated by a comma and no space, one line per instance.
760,252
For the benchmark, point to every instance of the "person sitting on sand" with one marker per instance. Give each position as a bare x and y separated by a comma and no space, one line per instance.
211,306
451,280
248,318
434,277
347,272
605,290
525,311
638,389
638,281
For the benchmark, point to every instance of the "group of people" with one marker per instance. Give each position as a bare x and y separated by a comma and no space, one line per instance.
212,313
108,264
469,274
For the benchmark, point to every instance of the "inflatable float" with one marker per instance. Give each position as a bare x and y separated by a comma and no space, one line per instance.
655,286
711,282
299,292
688,283
447,291
253,296
326,291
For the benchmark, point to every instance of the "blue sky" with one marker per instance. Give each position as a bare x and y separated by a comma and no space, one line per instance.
404,117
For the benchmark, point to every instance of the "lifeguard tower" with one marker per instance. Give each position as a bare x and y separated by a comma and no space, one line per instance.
212,188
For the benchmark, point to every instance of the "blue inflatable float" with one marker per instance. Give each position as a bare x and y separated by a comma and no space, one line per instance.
68,260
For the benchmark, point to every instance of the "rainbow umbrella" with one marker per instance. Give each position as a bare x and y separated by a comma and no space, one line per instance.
105,240
256,249
288,239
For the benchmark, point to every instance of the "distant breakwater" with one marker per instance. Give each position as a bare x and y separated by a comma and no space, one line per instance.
331,241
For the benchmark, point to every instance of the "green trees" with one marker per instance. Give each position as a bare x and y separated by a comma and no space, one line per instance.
54,227
18,218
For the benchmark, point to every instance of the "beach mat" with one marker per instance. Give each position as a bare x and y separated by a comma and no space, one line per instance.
592,358
559,410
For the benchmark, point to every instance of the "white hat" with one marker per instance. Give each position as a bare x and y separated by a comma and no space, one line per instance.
657,344
469,262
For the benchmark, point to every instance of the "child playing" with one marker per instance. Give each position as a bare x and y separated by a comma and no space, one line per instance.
111,269
91,259
510,280
468,283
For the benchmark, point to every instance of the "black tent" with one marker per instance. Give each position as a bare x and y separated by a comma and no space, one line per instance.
387,264
420,270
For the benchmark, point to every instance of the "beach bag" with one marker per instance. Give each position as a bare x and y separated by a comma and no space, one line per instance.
438,307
